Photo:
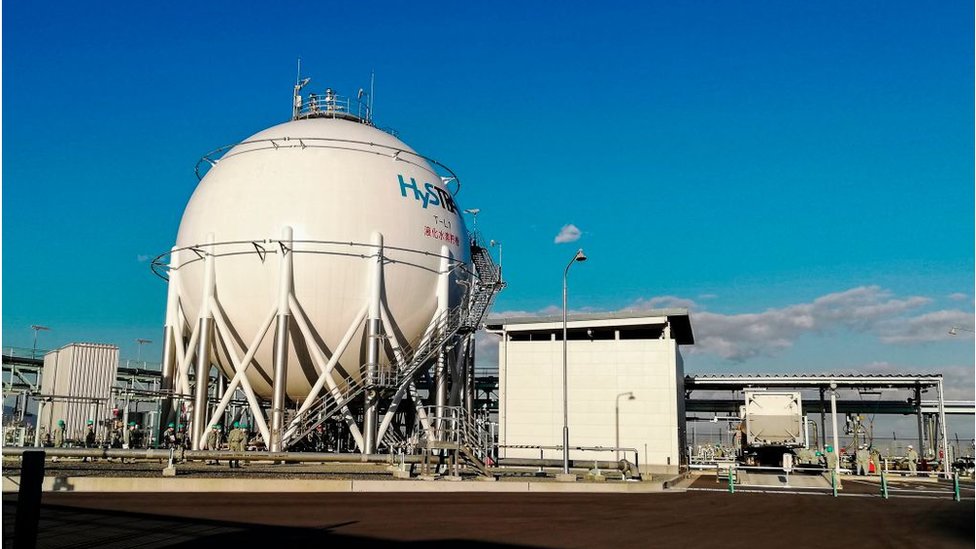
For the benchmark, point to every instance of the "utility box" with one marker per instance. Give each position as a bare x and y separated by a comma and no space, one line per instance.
773,418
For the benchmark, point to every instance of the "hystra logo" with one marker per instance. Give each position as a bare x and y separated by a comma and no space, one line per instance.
429,195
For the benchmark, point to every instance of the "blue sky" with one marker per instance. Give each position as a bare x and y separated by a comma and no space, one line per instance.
755,161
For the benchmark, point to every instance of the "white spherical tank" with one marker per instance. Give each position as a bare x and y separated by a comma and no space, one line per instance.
329,179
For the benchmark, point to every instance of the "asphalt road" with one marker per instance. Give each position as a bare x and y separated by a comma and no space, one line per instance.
495,520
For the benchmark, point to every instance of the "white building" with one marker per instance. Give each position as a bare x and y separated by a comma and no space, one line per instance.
609,355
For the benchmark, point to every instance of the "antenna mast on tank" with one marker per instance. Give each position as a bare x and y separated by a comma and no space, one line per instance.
372,80
296,98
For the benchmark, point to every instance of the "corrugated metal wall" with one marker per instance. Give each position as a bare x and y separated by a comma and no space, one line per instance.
79,371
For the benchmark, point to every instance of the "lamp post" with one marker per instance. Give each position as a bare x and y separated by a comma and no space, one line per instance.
36,328
474,217
630,396
494,243
140,341
580,256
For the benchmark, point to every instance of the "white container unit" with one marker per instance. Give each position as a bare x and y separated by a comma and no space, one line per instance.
76,386
774,418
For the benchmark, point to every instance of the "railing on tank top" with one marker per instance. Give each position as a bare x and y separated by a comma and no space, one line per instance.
398,154
263,248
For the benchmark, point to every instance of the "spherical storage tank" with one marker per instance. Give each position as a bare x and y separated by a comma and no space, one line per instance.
330,176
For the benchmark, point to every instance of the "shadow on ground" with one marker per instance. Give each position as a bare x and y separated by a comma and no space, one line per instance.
71,527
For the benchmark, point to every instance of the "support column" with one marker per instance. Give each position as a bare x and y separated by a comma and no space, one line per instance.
279,389
219,391
374,342
947,464
441,373
469,375
168,373
37,423
204,343
125,411
823,422
918,417
833,419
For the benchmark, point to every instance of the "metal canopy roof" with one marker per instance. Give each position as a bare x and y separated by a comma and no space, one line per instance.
812,381
678,318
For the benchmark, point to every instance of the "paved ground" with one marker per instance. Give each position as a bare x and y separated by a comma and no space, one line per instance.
497,520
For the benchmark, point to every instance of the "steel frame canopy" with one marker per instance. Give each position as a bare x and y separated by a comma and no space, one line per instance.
708,382
832,382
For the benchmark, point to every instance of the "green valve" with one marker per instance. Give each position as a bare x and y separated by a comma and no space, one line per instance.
833,481
956,496
884,485
731,482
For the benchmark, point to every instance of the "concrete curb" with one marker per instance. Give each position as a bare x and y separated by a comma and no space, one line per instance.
213,485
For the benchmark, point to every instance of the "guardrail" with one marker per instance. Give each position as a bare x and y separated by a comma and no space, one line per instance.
543,448
728,472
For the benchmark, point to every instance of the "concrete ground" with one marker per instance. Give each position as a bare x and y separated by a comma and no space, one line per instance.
495,520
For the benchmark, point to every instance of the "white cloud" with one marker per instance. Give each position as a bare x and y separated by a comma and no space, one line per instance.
958,296
959,382
743,336
865,309
486,350
932,326
569,233
664,301
142,258
707,296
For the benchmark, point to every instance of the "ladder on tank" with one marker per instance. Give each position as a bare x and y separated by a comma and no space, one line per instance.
463,319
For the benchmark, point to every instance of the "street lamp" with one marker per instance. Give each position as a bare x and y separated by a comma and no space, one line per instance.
494,243
580,256
141,342
37,328
474,216
630,396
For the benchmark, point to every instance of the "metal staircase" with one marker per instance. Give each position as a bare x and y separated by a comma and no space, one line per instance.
475,444
465,318
458,439
486,287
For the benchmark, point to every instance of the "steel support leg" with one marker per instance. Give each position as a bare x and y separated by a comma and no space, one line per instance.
278,396
168,373
199,419
371,410
440,372
374,346
279,390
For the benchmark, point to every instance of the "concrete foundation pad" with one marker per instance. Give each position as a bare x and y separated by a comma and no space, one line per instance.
427,477
397,473
169,472
92,484
566,477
